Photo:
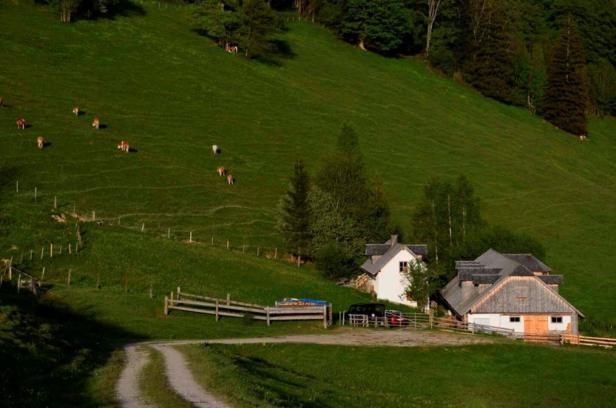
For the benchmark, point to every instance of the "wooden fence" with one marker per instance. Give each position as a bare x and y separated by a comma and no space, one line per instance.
424,321
232,308
23,280
587,340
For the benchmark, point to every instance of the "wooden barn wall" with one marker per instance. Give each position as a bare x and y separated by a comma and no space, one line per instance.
523,295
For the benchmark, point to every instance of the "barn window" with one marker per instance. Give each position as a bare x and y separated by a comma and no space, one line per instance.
557,319
514,319
404,266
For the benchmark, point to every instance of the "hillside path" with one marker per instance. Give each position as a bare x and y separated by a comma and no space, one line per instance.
182,382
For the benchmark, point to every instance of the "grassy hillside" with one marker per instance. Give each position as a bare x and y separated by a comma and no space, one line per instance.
171,93
471,376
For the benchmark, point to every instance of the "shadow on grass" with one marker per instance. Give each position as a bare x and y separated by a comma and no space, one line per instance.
48,353
278,385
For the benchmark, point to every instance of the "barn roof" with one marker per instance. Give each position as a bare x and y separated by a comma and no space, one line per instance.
490,268
530,261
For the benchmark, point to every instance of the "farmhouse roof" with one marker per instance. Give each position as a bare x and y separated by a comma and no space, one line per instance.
385,252
490,268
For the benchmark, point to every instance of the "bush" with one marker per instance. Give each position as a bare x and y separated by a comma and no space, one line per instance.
333,262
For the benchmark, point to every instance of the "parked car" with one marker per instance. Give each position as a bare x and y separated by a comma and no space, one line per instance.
371,310
396,318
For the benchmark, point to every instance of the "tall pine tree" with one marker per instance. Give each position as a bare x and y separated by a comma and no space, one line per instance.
566,95
296,212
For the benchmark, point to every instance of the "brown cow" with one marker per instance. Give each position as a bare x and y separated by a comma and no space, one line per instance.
96,123
76,111
40,142
221,171
21,123
123,146
230,179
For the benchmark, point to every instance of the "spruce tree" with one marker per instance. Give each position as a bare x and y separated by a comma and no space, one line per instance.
295,224
566,95
491,66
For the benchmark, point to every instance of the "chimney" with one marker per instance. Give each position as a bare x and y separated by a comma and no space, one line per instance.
393,240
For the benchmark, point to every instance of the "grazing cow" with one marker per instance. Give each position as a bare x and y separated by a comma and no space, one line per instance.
231,49
76,111
221,171
96,123
21,123
40,142
582,138
123,146
215,150
230,179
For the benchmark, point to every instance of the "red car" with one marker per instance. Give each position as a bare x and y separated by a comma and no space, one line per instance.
395,318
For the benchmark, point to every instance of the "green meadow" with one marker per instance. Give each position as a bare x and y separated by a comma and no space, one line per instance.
465,376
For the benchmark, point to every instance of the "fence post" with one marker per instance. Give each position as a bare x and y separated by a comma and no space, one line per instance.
166,306
151,291
430,318
142,226
18,282
43,274
55,201
267,313
11,269
68,277
42,252
217,317
299,260
179,291
35,193
190,238
70,250
228,299
276,253
93,215
51,249
325,317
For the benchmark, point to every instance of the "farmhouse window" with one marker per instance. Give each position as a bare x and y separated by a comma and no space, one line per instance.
514,319
404,266
557,319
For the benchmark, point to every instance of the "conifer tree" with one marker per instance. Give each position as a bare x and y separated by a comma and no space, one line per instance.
491,67
295,223
566,95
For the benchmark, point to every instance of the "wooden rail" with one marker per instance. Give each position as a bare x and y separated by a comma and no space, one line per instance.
588,340
217,307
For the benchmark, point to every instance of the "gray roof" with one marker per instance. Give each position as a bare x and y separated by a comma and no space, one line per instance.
552,279
490,268
381,249
374,267
530,261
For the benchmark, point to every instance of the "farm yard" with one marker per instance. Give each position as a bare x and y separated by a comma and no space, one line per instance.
163,215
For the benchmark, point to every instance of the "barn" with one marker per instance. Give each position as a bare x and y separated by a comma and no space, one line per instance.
512,291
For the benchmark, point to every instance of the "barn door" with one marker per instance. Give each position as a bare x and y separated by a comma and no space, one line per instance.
535,324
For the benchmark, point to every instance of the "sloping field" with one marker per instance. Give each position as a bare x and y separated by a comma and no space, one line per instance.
172,94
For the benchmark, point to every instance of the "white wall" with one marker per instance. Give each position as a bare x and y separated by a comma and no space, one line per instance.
502,320
390,284
497,320
559,326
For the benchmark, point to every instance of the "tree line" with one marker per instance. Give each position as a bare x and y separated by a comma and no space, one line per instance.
330,217
554,57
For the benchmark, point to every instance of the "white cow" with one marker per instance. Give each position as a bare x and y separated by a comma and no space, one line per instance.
215,150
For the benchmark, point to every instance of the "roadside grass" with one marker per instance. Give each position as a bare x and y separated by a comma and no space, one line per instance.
154,385
468,376
172,94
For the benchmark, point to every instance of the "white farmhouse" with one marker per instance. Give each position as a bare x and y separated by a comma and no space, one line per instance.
386,266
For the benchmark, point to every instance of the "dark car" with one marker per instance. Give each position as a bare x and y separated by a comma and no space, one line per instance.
367,309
